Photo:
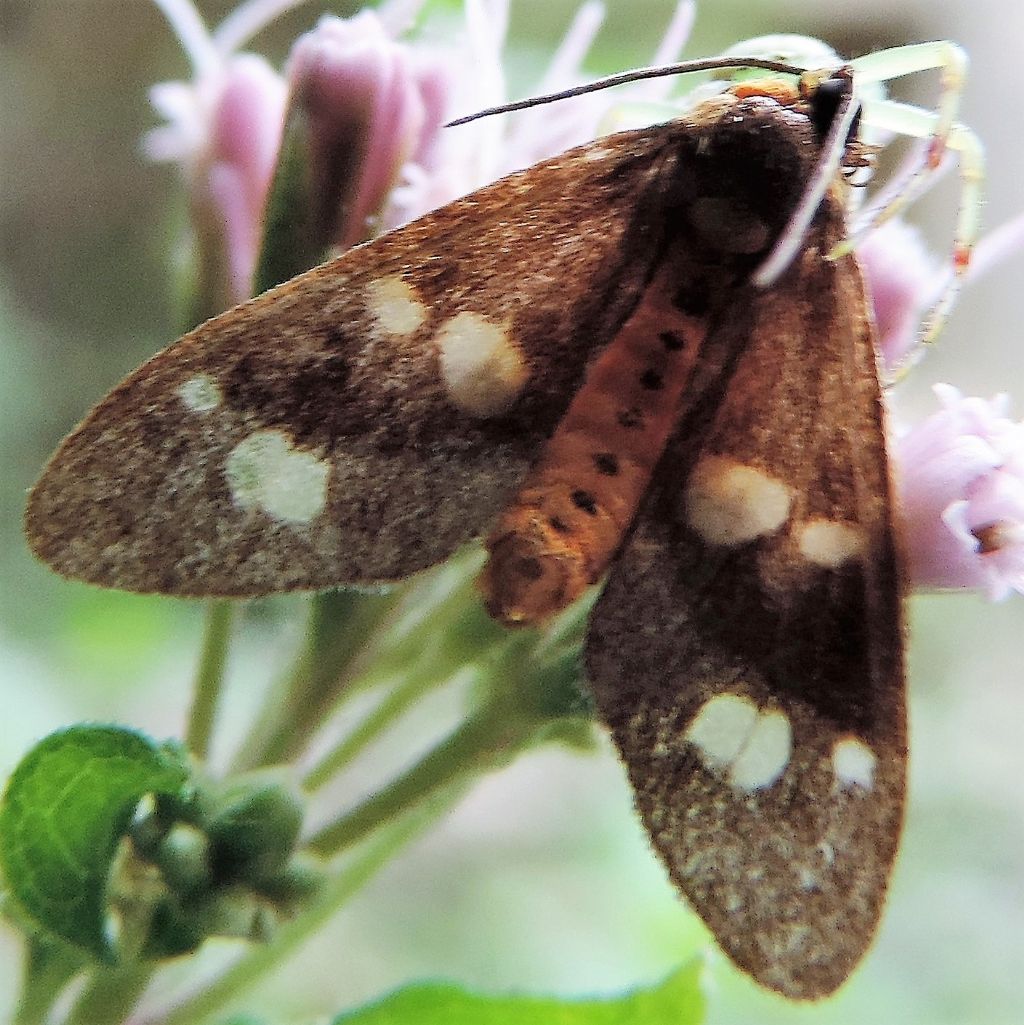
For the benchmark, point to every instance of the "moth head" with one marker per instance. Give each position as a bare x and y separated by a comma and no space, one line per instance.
745,209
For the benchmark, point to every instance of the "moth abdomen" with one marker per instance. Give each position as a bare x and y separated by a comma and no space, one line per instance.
576,505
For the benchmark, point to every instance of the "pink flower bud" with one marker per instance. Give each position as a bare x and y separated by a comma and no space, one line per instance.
223,130
367,107
234,174
901,275
960,479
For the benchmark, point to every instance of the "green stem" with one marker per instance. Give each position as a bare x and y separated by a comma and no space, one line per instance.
47,970
390,709
241,977
209,677
483,742
111,995
341,624
355,641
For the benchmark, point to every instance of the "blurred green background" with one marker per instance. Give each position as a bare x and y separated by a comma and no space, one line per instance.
541,880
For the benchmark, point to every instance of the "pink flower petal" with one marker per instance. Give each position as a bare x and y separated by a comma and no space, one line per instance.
960,480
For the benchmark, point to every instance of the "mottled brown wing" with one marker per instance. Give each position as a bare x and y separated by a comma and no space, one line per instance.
366,418
746,652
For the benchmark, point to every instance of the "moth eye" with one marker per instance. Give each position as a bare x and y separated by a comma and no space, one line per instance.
825,104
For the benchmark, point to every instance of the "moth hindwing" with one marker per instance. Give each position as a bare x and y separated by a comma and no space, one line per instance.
580,346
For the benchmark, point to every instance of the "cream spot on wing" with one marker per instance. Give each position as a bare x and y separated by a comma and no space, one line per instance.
482,368
267,472
853,763
721,728
728,503
750,748
765,755
830,543
200,393
394,305
596,153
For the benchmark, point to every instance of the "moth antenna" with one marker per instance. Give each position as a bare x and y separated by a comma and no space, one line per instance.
634,75
790,241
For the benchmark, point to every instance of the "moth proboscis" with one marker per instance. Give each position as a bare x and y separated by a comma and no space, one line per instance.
578,360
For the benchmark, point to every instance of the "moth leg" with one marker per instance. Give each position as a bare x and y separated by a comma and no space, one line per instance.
962,141
897,61
944,134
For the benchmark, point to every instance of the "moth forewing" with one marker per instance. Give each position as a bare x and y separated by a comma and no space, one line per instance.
363,420
747,648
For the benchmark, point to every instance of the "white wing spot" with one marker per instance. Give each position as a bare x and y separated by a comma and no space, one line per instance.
829,543
394,305
482,368
721,728
766,754
751,749
728,503
200,393
266,471
853,763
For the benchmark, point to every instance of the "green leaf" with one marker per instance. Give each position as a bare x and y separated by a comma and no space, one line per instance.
66,808
677,1000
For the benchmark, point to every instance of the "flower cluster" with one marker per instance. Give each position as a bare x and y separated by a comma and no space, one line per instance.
365,110
961,485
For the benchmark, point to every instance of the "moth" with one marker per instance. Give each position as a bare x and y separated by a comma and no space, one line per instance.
647,361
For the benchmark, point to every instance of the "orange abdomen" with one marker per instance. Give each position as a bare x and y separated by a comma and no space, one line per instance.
575,506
